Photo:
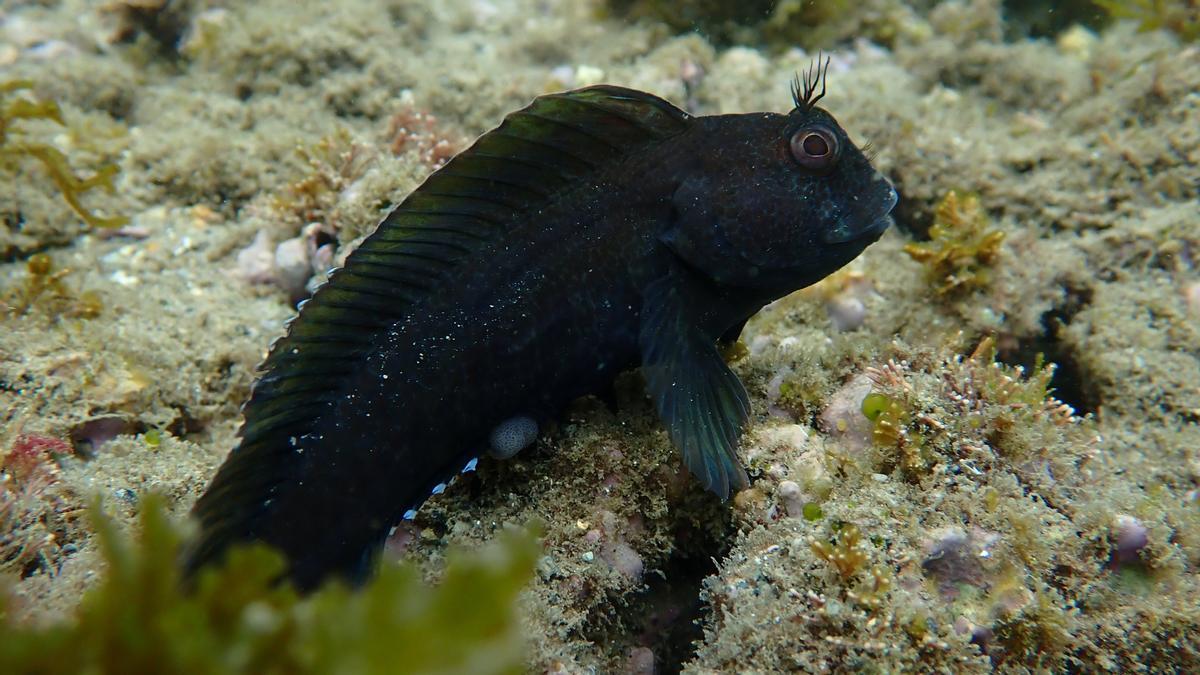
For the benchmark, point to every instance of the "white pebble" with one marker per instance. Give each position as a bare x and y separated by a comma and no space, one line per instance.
846,311
625,560
1191,294
640,661
791,498
1132,537
292,266
256,262
843,417
586,75
512,436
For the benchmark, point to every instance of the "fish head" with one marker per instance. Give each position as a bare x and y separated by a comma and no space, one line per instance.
784,200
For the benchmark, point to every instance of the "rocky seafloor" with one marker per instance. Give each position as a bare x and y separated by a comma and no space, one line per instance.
927,493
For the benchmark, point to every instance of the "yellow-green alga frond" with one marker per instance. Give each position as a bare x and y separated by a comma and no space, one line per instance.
43,288
962,248
15,145
891,419
1181,17
873,590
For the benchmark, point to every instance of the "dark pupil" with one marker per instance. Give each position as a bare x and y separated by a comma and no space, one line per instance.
815,146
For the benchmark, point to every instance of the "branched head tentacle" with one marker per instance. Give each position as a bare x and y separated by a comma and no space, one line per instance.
869,151
804,85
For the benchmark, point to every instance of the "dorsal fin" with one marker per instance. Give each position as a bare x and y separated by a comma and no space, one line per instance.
532,158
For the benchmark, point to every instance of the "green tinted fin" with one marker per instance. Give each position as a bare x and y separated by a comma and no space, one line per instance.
537,156
700,400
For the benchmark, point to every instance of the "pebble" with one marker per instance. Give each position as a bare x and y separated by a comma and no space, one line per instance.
792,499
293,266
587,75
846,312
1191,295
625,560
640,661
1131,538
256,262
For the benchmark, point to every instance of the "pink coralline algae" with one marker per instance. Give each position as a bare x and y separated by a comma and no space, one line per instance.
35,514
32,457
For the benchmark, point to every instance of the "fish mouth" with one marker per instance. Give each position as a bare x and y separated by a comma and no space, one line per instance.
878,227
868,222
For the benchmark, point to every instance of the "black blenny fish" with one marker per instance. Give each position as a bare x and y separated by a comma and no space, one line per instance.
592,232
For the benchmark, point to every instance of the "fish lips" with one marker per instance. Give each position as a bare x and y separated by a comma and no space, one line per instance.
868,221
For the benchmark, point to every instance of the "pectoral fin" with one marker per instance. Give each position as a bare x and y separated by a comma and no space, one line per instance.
700,400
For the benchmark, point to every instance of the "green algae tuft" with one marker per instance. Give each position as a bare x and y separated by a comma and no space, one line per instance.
812,512
140,618
891,420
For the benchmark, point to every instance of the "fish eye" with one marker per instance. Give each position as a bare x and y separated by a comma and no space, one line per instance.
815,148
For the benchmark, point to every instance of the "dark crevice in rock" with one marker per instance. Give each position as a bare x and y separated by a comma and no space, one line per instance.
1034,18
185,424
912,216
164,23
88,436
667,617
1068,384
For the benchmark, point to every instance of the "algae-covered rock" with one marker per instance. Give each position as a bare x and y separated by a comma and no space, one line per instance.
970,523
995,551
782,23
